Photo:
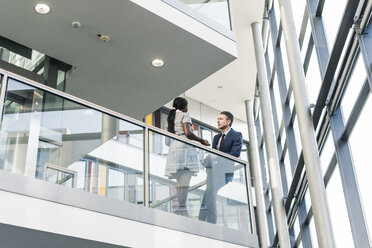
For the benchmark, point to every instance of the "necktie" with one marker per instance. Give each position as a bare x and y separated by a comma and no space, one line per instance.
222,138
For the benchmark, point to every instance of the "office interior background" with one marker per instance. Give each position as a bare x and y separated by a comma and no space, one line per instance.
86,87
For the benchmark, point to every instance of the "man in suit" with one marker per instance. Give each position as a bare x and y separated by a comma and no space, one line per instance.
220,171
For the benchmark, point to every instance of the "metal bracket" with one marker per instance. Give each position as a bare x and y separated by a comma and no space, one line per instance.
357,28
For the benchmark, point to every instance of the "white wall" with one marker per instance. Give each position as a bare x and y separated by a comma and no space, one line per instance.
57,218
208,115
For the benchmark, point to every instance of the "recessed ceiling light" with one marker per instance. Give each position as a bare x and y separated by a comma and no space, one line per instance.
157,63
76,24
42,8
88,112
220,86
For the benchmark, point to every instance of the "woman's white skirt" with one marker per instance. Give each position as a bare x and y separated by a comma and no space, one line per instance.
181,156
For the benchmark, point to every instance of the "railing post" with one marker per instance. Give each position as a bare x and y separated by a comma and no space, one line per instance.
270,141
146,167
4,83
253,153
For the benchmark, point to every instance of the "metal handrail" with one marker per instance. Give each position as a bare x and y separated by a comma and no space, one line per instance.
117,115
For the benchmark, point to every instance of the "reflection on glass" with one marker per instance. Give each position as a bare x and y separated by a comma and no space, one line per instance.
116,184
54,139
217,10
36,62
206,134
198,184
31,64
60,175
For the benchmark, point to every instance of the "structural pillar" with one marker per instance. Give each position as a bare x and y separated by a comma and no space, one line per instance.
309,145
270,141
255,163
110,127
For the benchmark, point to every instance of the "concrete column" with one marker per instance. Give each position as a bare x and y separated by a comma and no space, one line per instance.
253,153
110,127
270,141
307,132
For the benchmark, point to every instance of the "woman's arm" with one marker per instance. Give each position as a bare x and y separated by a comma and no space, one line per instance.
190,134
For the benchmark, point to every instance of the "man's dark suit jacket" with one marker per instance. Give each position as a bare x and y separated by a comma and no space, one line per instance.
232,144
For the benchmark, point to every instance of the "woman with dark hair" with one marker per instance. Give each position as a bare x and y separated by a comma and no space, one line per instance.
182,162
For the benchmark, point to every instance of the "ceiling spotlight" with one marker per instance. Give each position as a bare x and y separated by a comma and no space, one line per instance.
88,113
103,37
157,63
76,24
220,86
42,8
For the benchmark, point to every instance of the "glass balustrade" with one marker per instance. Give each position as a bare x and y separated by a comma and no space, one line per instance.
57,140
216,10
52,137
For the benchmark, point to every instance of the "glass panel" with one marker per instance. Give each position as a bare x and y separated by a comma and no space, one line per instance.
313,80
327,153
359,140
198,184
298,8
116,184
29,64
243,153
296,130
332,14
296,227
217,10
58,176
283,49
353,87
283,139
288,170
36,62
270,51
305,43
307,200
278,101
277,13
54,139
338,213
314,238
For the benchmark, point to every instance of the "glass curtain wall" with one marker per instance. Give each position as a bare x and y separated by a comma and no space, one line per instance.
336,54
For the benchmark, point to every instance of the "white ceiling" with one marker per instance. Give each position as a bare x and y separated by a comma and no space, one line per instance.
238,78
118,74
